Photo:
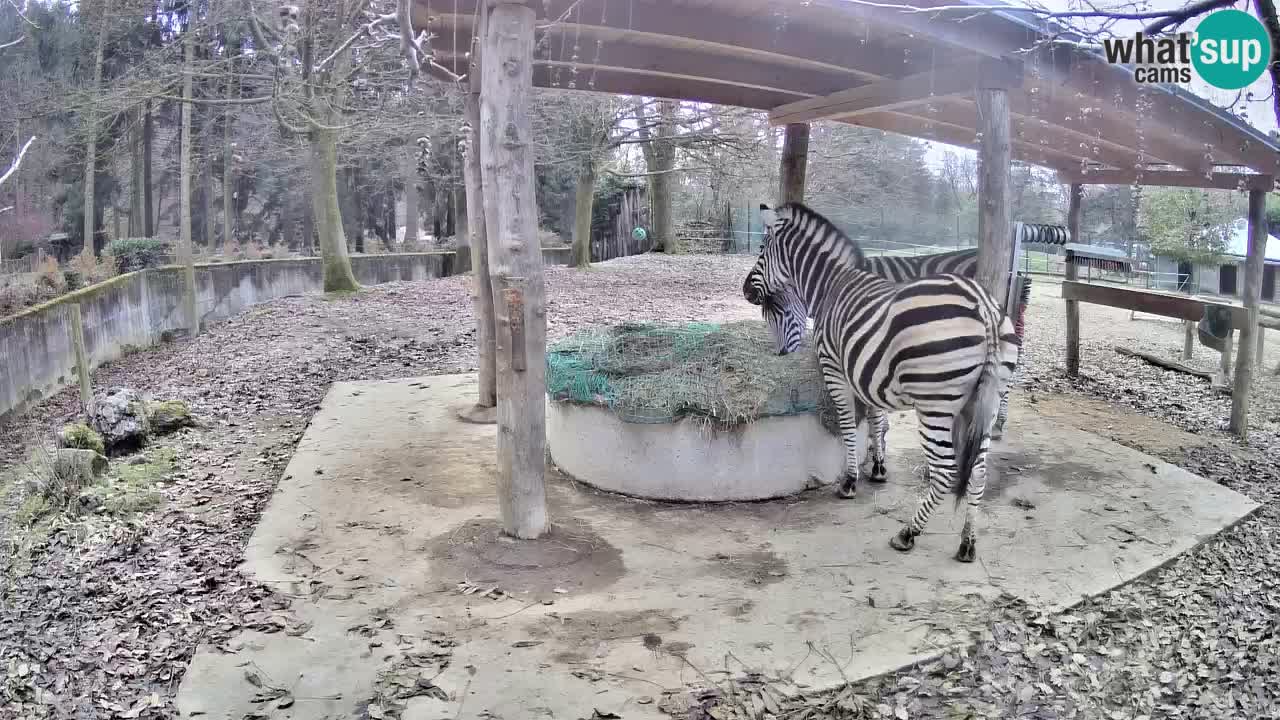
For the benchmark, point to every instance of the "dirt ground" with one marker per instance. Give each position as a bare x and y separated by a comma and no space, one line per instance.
105,617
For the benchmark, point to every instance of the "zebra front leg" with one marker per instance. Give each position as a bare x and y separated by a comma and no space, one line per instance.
942,467
849,412
874,465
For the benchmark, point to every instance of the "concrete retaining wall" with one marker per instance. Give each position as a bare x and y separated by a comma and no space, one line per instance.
135,309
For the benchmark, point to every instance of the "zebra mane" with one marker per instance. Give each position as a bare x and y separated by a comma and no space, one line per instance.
819,226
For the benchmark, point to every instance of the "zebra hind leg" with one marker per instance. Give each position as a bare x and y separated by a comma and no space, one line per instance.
968,550
850,414
942,466
874,465
997,430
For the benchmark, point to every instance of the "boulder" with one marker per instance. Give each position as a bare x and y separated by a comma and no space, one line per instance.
80,436
61,475
169,415
120,417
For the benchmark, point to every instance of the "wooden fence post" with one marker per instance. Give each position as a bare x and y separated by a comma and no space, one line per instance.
515,258
1188,339
1073,306
75,328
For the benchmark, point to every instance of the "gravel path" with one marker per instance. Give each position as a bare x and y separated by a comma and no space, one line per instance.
1197,639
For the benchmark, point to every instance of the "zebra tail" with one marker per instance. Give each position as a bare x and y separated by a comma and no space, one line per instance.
975,418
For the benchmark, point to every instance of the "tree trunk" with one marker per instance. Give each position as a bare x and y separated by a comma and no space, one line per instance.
659,155
307,239
228,177
148,211
184,184
209,229
511,216
136,221
410,170
91,150
338,276
288,221
582,208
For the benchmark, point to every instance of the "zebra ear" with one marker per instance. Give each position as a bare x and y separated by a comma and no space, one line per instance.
767,216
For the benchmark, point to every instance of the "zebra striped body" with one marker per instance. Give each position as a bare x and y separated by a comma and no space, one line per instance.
939,345
902,268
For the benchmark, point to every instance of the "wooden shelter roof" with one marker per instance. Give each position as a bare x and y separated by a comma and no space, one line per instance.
910,72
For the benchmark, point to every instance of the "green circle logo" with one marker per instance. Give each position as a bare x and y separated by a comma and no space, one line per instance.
1232,49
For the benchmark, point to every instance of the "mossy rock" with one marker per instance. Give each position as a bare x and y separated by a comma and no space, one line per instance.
80,436
169,415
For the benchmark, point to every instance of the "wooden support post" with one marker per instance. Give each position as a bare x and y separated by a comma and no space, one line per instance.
515,259
794,163
1073,306
75,329
1188,339
995,236
481,284
1262,343
1252,296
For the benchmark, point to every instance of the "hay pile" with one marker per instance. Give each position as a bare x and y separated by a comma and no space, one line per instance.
723,374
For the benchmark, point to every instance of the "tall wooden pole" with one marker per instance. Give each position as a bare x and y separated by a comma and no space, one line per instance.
1252,295
1076,199
482,285
515,260
794,163
995,236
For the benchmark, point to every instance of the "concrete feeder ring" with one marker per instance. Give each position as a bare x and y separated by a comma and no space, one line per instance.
687,460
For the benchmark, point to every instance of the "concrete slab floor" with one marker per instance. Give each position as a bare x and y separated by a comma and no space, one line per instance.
388,506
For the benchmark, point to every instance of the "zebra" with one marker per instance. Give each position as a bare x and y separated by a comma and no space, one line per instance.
901,268
939,344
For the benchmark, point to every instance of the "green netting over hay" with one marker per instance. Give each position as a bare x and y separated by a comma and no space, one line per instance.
727,374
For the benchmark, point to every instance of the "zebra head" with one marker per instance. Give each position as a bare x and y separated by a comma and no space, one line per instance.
769,286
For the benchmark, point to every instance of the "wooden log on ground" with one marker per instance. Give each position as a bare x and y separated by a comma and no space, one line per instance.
515,259
1166,364
1073,306
1252,297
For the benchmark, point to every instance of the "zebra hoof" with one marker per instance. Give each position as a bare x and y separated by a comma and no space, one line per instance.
847,490
968,550
879,473
903,541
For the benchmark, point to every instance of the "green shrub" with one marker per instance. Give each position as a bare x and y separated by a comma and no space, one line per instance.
137,253
73,280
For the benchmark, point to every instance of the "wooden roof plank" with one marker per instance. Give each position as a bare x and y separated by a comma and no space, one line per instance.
883,95
950,134
1172,178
